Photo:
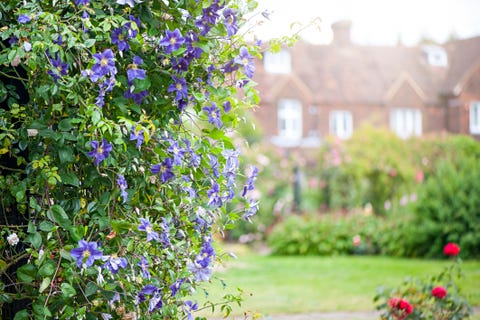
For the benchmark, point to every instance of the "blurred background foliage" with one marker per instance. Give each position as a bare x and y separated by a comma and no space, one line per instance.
372,194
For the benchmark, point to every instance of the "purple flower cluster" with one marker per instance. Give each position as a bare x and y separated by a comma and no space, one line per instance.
114,263
155,301
24,18
120,36
103,67
134,72
213,113
122,184
137,136
201,267
246,60
146,226
250,185
143,264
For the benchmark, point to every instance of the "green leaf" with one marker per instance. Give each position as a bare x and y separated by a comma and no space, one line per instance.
67,290
141,85
35,239
21,315
66,155
70,178
65,124
118,225
89,43
58,215
26,273
44,285
46,226
47,269
90,289
77,232
3,265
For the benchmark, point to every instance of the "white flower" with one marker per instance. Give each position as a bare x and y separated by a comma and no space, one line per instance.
13,239
131,3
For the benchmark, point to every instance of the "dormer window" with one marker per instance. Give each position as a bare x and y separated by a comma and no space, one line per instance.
278,62
436,55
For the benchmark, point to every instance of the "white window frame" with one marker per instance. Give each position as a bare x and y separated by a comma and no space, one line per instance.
290,119
474,117
406,122
278,62
341,124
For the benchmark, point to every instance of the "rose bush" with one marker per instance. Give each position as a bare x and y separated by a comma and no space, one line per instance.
424,298
117,154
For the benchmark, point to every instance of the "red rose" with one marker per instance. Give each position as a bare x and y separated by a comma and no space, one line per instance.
439,292
451,249
404,305
401,308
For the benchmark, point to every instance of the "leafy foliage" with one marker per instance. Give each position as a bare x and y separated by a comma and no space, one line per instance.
437,297
117,126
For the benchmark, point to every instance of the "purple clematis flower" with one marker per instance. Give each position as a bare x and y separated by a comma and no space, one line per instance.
250,210
100,152
250,185
178,153
122,184
139,137
114,263
213,115
147,227
134,72
214,196
86,253
79,2
179,86
105,63
24,18
165,170
120,39
172,41
143,264
60,68
230,22
131,3
176,286
246,60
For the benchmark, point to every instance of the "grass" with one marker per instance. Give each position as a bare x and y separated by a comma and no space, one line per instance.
285,285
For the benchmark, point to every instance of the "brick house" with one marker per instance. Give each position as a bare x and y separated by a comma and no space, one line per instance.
311,91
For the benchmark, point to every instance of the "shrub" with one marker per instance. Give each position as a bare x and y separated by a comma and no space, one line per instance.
325,235
437,297
448,209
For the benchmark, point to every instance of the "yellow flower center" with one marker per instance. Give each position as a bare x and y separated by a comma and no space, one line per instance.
99,150
173,40
104,62
86,254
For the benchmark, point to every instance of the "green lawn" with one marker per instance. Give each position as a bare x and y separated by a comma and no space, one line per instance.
275,285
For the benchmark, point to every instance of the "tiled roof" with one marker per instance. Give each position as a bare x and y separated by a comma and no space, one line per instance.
365,74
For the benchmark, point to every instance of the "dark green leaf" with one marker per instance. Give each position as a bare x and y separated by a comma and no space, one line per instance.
67,290
26,273
47,269
58,215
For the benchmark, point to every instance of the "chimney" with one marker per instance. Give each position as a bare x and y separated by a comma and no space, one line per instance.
341,33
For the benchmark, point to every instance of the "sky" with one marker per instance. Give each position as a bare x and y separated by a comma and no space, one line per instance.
374,22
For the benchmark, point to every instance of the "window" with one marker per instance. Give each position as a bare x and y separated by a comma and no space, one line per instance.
475,117
290,119
406,122
436,55
279,62
341,124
